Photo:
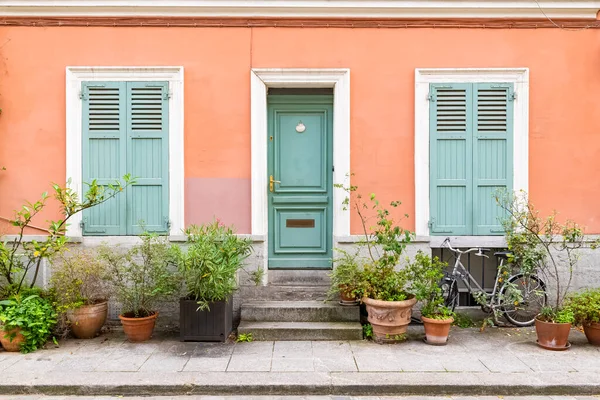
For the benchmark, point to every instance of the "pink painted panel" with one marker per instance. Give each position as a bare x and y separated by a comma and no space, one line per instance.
225,198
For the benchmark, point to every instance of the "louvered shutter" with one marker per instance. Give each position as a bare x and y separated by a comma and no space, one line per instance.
492,153
148,157
450,159
104,152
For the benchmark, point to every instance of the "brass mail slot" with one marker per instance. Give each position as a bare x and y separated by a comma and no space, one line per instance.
299,223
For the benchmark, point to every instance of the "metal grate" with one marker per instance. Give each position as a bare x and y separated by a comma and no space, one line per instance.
481,268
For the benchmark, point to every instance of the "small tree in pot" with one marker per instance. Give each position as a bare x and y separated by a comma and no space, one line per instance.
425,277
382,283
547,246
140,278
81,291
209,269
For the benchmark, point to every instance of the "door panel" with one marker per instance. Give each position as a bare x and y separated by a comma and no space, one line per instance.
300,161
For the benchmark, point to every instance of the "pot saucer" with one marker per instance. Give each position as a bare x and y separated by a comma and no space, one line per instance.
434,344
567,347
349,303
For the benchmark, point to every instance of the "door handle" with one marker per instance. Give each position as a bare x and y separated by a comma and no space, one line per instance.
271,183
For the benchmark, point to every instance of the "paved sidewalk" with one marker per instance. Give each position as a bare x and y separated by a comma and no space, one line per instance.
499,361
302,398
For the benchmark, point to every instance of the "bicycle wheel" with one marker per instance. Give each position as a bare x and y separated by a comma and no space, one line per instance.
449,288
533,292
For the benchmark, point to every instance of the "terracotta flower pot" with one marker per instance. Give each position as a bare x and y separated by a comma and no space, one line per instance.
346,296
15,344
592,333
389,318
86,321
138,329
552,336
436,330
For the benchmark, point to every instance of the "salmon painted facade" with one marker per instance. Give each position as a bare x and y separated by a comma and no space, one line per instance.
251,111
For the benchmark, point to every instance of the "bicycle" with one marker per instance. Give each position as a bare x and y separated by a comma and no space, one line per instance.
530,288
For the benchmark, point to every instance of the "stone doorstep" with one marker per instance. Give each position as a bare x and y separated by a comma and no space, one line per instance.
299,311
284,331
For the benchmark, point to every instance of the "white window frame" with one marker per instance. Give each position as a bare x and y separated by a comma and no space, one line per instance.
172,74
260,80
426,76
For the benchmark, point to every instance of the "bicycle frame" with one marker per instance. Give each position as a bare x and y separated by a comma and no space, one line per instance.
493,301
460,271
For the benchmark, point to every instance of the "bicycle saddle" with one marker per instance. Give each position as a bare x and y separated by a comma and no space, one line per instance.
503,254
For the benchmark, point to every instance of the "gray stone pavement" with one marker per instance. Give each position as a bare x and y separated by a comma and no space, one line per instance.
302,398
498,361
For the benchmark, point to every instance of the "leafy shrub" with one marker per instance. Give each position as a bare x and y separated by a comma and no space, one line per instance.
346,274
210,265
78,279
244,337
585,306
385,243
32,314
463,321
368,331
142,276
425,275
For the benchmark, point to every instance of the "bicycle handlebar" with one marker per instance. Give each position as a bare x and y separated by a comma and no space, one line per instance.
479,253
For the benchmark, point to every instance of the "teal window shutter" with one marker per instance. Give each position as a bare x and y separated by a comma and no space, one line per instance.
471,156
492,153
451,140
148,157
104,152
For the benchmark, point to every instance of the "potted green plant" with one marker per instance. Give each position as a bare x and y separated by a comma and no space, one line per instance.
139,279
209,269
585,306
345,278
425,277
545,246
383,282
80,290
26,321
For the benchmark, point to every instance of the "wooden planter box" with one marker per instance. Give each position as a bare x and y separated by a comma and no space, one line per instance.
205,326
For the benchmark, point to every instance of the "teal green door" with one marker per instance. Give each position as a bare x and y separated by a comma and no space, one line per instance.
300,172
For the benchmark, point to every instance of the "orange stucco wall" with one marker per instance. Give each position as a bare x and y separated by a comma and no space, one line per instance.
564,107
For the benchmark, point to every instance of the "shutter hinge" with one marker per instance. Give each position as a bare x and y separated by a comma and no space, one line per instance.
431,96
430,223
167,95
82,95
167,223
512,96
82,223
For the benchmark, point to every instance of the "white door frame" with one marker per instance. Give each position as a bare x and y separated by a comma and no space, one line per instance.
260,80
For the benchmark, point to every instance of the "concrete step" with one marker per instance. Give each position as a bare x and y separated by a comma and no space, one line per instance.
275,292
299,311
290,277
262,331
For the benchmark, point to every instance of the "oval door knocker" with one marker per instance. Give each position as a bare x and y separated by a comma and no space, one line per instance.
300,127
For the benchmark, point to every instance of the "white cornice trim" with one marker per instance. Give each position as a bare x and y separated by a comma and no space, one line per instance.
515,9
